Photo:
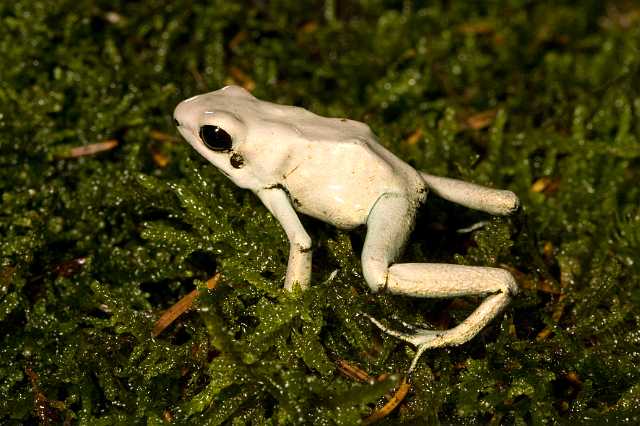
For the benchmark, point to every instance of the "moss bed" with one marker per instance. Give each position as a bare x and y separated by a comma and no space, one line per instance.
542,98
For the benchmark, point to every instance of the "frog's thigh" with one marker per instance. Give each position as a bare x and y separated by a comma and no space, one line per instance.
447,280
389,224
444,280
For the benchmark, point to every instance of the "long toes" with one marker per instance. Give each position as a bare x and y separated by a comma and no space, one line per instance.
417,337
426,339
421,338
395,333
382,326
413,327
375,322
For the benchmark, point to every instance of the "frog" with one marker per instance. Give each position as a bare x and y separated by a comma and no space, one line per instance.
336,170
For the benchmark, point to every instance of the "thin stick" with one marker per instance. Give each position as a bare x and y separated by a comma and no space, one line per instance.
353,371
393,402
94,148
180,307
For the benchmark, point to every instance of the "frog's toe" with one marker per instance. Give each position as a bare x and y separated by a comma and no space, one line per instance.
413,338
427,339
422,338
405,324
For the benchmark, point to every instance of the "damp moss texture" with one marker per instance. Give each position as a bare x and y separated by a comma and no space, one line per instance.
542,98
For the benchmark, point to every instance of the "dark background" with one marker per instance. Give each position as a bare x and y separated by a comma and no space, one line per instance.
107,218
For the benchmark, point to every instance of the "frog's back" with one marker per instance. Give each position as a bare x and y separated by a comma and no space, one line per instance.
310,126
331,130
333,168
339,170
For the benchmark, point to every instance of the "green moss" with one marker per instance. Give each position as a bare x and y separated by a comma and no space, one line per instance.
94,248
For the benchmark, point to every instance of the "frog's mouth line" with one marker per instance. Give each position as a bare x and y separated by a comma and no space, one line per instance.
188,134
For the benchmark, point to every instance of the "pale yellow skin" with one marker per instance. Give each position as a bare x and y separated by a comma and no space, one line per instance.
335,170
292,147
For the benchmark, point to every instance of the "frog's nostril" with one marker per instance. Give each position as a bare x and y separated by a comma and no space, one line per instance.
176,122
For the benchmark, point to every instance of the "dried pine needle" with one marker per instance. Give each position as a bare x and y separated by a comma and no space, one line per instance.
160,159
391,404
240,76
482,119
159,136
352,371
180,307
414,137
91,149
360,375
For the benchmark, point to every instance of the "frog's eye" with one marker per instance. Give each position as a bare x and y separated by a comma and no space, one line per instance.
215,138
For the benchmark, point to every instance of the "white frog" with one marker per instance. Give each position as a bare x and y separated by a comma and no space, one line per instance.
335,170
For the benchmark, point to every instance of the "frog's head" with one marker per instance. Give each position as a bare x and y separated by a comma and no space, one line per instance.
212,123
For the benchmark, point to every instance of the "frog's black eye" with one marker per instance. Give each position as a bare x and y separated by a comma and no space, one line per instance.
215,138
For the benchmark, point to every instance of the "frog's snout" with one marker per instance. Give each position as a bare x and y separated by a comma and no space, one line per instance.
182,119
185,111
177,115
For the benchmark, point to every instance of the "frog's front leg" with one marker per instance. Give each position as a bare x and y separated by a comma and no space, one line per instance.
299,267
388,226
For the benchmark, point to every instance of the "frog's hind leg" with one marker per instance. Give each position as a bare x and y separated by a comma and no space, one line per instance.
388,226
494,201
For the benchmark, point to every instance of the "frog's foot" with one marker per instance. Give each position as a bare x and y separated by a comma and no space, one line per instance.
400,335
423,339
428,338
388,225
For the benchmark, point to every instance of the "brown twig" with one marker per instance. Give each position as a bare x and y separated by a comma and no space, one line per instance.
167,416
557,313
546,185
352,371
391,404
159,136
238,39
180,307
482,119
360,375
241,77
91,149
414,137
477,27
159,159
160,139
